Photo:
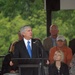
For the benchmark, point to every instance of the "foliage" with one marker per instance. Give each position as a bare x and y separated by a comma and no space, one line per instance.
16,13
65,19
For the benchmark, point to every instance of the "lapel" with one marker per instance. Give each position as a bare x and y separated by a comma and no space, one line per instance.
23,45
33,47
24,48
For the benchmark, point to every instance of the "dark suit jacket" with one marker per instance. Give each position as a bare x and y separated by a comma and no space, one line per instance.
48,44
64,70
72,45
20,51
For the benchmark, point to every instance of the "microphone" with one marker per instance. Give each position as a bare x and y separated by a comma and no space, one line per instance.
37,42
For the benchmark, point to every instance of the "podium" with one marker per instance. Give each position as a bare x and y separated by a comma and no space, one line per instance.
11,74
34,64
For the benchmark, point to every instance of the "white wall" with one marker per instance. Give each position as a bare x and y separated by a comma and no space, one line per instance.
67,4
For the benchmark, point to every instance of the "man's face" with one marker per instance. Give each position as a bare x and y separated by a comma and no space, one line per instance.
28,33
53,30
60,43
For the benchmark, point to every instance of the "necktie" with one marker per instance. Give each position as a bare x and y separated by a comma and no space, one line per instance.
29,49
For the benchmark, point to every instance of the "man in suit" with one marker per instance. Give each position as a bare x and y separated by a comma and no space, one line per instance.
21,49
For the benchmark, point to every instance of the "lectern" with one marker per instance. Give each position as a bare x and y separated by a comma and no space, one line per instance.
31,64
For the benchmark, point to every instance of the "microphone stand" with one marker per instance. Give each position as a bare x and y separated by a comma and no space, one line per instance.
41,64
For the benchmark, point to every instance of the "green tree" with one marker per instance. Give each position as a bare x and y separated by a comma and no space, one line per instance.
66,22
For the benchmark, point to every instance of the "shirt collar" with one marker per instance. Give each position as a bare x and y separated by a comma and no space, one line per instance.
25,41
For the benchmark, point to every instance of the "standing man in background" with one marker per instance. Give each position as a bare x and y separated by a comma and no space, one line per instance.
50,41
